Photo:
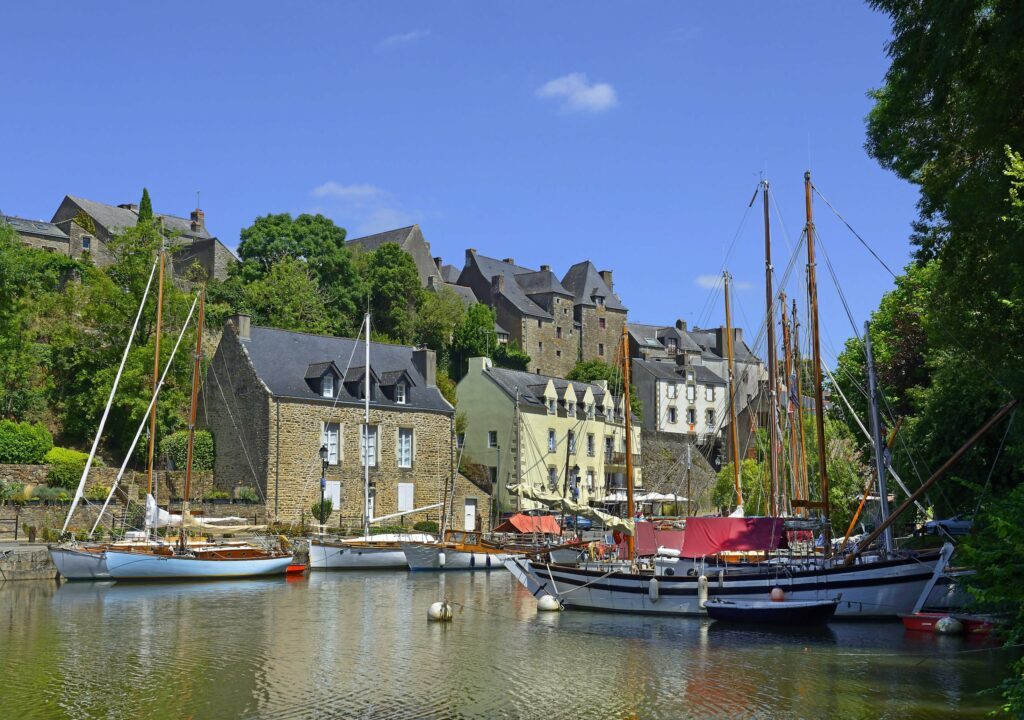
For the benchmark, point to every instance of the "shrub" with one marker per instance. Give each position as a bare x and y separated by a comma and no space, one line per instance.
23,443
10,490
327,507
216,495
247,494
426,526
51,494
66,466
388,530
97,493
175,448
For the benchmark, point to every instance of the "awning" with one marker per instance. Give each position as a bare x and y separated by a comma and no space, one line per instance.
565,505
712,535
525,524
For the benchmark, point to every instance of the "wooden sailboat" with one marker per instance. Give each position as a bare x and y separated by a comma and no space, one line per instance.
183,561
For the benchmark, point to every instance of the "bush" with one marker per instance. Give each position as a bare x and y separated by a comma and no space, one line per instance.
97,493
216,495
426,526
23,443
388,530
247,494
175,448
51,494
10,490
66,467
327,507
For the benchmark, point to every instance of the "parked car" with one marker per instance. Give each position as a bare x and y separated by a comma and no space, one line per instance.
581,523
955,526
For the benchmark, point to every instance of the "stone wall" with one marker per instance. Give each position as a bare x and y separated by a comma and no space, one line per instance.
549,353
593,336
169,484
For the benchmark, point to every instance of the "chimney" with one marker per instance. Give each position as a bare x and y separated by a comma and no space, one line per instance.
130,206
431,281
438,264
509,261
545,268
497,284
425,362
241,324
470,254
681,325
198,221
606,275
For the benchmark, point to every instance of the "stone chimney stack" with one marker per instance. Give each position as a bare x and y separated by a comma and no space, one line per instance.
425,362
606,275
497,284
198,218
545,268
438,263
241,323
470,254
509,261
130,206
681,325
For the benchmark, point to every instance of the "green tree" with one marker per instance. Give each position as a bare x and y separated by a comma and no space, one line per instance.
395,291
509,355
145,207
590,371
439,314
475,337
753,483
288,298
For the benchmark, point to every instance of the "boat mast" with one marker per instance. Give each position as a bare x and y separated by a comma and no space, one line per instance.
366,437
819,401
732,396
628,414
183,535
876,439
156,373
773,394
799,372
788,370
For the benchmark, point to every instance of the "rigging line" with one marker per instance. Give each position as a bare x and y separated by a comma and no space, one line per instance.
735,237
839,289
995,461
710,302
794,255
855,233
782,223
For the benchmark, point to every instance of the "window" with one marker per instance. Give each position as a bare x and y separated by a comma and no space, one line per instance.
590,479
460,440
492,438
709,393
552,478
86,242
672,343
368,445
689,377
590,444
558,333
600,349
673,391
551,441
601,323
599,299
551,406
691,393
558,353
691,416
572,442
540,323
572,409
406,497
590,411
400,393
404,450
709,415
608,447
332,439
327,385
672,416
540,344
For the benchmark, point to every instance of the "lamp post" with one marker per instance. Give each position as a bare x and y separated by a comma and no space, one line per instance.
323,484
575,490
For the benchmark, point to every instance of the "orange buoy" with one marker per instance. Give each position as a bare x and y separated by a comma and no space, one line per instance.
778,594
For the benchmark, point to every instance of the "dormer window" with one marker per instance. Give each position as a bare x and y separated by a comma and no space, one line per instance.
327,385
590,411
400,393
551,406
572,408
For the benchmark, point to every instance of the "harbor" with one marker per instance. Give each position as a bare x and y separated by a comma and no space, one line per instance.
358,644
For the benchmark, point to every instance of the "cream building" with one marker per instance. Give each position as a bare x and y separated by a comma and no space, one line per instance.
544,431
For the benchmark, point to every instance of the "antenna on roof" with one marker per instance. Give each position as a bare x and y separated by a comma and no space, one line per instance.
197,200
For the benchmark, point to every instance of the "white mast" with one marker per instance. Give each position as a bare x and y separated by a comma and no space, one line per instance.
366,438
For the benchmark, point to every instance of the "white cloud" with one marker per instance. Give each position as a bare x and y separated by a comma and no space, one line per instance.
398,39
332,189
578,95
711,282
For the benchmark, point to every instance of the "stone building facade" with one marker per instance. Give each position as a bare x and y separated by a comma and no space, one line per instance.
597,311
274,398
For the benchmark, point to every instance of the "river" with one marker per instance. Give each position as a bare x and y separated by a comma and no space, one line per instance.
358,645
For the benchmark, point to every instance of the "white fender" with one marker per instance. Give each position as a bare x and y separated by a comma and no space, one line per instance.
702,591
652,589
440,559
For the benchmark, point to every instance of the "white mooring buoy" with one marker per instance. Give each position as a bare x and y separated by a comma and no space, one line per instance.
948,626
440,612
702,591
548,603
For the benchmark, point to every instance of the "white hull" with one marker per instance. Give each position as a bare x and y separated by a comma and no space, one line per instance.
143,566
354,557
75,564
870,590
423,556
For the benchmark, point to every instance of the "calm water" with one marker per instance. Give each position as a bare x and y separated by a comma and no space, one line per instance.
359,645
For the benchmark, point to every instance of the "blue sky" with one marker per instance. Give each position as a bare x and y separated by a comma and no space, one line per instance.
629,134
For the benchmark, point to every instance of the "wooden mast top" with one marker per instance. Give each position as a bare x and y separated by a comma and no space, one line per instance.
732,396
819,401
156,373
196,368
628,415
773,391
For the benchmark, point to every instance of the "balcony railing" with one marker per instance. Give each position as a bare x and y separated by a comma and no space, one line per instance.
619,458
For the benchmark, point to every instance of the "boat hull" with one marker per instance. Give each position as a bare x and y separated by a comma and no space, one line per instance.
344,557
75,564
422,556
772,613
144,566
871,590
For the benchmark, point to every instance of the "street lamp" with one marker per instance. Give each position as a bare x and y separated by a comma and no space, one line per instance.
323,483
575,490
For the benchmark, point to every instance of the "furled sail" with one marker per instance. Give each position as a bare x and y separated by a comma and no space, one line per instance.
566,505
157,517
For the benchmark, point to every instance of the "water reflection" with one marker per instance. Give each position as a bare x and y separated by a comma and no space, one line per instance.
359,645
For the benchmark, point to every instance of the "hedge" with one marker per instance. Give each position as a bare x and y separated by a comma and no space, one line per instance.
175,448
23,443
66,467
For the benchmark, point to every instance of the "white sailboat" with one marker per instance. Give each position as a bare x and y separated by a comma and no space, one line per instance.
369,552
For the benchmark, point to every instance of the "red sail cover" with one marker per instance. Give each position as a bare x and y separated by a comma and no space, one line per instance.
644,543
530,524
712,535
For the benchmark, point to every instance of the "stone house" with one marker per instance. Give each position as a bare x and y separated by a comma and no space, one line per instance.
412,241
67,238
274,398
598,312
544,430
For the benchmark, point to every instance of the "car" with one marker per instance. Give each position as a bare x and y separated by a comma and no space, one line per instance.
955,526
577,522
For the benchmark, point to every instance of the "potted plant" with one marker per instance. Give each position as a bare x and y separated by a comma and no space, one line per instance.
246,495
217,497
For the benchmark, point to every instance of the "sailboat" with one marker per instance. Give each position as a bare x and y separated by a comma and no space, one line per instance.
872,583
183,560
368,552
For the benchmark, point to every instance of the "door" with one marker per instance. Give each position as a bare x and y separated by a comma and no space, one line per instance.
470,514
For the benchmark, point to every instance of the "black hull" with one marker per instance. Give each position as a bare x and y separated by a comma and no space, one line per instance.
817,614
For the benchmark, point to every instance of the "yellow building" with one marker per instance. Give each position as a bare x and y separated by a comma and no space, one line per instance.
544,431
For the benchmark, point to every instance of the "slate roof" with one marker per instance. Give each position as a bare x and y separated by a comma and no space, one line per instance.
584,281
466,294
541,282
531,392
645,335
705,376
397,236
316,370
514,293
661,370
707,340
115,218
281,358
390,377
23,226
683,340
450,274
